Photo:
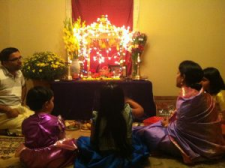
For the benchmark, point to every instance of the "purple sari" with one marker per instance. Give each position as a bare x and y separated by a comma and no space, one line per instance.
45,145
194,131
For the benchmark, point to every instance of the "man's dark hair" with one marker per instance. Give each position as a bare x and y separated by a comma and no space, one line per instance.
5,53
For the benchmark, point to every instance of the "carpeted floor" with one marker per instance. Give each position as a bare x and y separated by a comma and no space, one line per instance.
8,145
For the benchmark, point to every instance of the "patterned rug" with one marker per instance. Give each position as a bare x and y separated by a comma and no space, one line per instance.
8,146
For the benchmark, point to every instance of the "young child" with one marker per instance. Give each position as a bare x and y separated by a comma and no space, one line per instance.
111,143
214,85
45,143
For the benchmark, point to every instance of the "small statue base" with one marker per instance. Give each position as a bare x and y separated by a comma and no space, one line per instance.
69,78
137,77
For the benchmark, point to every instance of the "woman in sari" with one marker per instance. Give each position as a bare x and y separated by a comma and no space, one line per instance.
194,130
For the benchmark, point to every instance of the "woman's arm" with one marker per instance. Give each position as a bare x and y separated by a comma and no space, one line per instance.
137,109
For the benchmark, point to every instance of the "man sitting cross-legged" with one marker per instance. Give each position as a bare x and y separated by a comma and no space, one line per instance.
12,92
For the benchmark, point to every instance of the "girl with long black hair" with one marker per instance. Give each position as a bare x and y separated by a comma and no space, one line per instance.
111,143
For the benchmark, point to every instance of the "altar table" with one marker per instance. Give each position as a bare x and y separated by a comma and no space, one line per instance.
75,100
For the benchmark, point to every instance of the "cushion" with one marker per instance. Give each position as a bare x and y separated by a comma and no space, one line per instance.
152,120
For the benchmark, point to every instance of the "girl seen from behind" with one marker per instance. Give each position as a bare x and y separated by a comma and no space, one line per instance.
45,143
111,143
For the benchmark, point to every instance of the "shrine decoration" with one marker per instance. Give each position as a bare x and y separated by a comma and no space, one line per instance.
100,43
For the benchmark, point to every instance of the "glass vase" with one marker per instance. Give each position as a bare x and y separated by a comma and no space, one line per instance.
75,68
136,67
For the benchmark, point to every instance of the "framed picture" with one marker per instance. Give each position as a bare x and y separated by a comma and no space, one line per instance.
118,71
115,69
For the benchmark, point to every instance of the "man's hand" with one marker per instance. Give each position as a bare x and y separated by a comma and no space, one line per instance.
12,113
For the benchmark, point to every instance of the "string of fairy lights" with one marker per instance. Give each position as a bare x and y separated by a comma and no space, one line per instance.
99,39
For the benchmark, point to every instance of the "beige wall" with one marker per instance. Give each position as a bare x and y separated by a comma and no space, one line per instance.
177,30
181,30
33,25
4,26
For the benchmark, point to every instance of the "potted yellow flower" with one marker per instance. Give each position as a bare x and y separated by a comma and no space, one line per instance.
46,66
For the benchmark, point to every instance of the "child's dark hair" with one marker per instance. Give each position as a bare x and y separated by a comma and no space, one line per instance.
111,106
193,74
215,79
37,96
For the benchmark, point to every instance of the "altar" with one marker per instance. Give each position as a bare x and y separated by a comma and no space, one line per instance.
75,100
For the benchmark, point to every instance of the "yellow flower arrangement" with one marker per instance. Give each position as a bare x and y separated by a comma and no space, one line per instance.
44,66
70,37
